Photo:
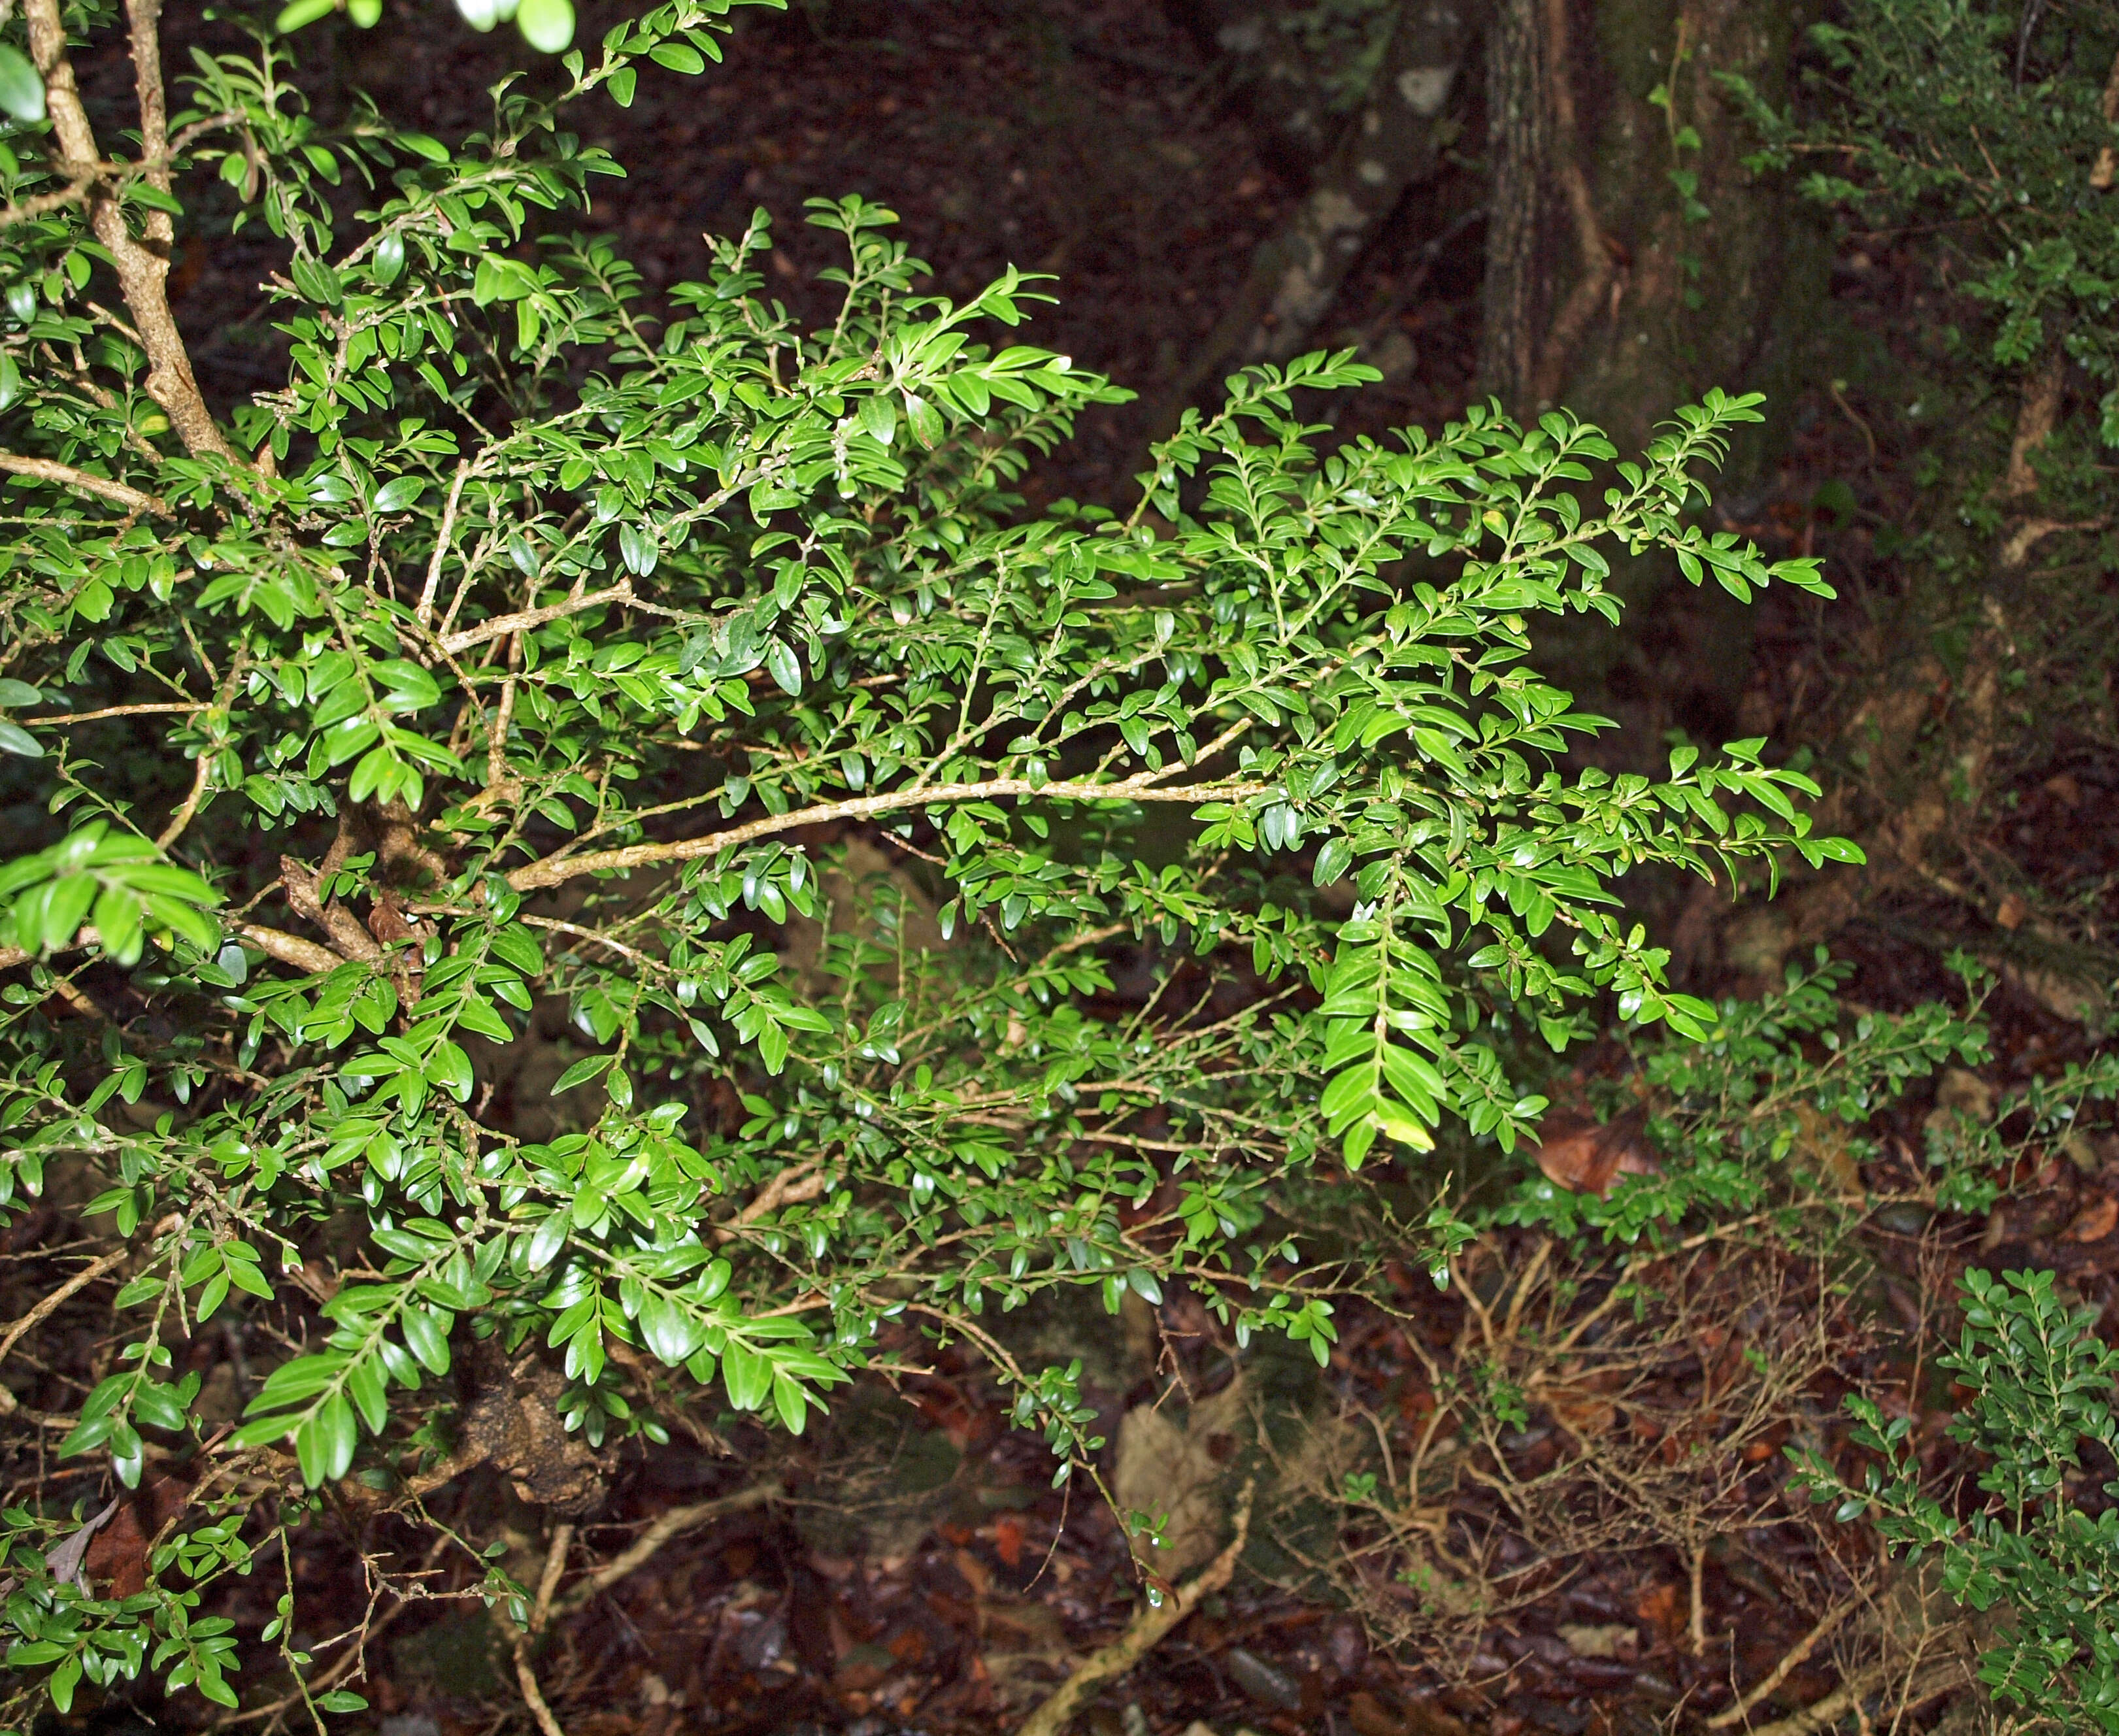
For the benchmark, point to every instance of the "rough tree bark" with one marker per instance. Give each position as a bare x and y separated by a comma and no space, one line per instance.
1518,154
143,265
1630,293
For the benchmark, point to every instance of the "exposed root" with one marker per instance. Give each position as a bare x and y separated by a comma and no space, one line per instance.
1148,1628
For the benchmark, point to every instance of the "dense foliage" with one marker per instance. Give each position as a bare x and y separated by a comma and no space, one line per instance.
932,901
1994,125
2040,1382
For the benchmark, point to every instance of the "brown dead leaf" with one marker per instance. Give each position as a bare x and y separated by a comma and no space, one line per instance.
1585,1156
1370,1717
1616,1639
2010,913
1008,1539
118,1554
2094,1221
1824,1142
2065,789
975,1573
1658,1607
1167,1465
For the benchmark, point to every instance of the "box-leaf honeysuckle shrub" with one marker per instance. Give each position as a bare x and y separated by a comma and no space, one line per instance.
540,644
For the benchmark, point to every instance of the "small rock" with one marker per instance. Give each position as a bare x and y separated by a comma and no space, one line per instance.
1262,1682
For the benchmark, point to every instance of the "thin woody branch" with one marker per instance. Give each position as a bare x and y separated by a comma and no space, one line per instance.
500,626
119,494
557,871
143,273
304,955
144,21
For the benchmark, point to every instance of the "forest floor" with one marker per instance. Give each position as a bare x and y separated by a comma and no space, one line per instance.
1626,1555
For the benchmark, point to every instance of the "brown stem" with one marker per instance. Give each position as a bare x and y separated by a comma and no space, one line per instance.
643,1549
500,626
304,955
124,711
182,817
144,21
555,1564
44,470
1781,1671
143,273
77,185
80,1280
2035,418
442,540
1844,1699
794,1185
557,871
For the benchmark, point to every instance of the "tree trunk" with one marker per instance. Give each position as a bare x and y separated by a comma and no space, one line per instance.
1519,149
1675,269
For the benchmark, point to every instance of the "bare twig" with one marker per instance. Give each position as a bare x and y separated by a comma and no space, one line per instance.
525,1678
182,818
426,609
143,20
2016,548
80,1281
1844,1699
123,711
2035,420
288,949
791,1186
76,189
1148,1628
555,1564
644,1548
44,470
1781,1671
557,871
500,626
304,955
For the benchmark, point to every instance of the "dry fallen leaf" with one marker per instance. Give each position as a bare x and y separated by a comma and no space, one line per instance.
2094,1221
1585,1156
1166,1464
63,1560
1616,1639
1825,1144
